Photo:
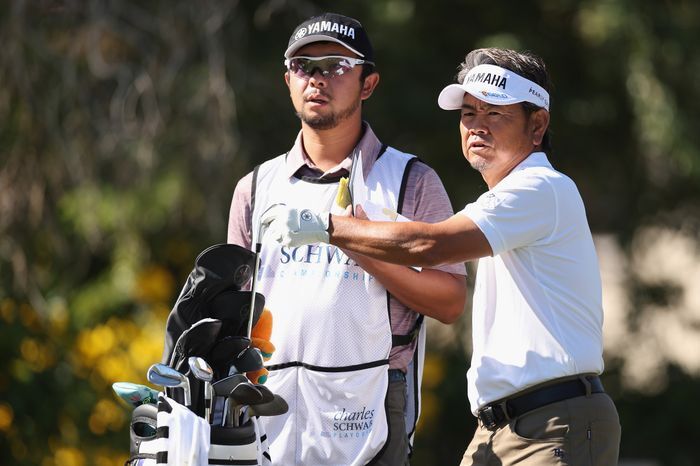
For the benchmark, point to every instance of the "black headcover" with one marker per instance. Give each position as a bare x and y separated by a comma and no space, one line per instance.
213,290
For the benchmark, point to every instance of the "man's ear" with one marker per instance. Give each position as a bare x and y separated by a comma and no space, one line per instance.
539,122
369,85
286,78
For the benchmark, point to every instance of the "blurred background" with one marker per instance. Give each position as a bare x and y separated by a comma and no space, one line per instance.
125,125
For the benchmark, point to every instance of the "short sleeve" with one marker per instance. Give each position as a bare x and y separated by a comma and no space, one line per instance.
515,214
239,219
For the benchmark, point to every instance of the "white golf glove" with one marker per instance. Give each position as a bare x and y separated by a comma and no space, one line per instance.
295,227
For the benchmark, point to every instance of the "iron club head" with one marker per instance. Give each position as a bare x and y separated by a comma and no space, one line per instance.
166,376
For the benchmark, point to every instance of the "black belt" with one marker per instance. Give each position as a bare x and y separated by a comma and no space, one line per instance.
498,412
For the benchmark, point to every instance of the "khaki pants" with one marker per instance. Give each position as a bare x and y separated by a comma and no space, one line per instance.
581,431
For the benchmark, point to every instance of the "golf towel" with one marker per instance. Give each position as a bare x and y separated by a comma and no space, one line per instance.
187,435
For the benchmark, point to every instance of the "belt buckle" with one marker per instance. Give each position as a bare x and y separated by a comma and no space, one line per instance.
488,417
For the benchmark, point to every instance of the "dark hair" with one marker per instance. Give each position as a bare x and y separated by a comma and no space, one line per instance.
367,69
526,64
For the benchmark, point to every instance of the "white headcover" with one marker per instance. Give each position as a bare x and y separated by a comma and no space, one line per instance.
496,86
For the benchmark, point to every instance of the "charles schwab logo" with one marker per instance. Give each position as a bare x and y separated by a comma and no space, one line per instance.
350,424
311,262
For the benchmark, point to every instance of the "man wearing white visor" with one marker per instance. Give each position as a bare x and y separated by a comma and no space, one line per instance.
537,310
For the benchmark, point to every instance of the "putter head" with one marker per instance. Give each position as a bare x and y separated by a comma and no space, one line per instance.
135,394
166,376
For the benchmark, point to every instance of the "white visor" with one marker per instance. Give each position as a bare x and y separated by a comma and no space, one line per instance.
496,86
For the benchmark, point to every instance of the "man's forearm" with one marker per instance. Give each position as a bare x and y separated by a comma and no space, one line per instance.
454,240
404,243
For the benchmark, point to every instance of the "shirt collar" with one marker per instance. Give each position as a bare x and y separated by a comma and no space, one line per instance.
536,159
368,147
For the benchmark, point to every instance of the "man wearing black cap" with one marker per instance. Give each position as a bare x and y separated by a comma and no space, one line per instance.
537,320
348,334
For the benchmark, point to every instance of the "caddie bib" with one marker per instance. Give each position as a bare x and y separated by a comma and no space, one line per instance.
331,328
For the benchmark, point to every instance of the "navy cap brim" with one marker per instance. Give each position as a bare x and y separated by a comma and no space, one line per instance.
316,38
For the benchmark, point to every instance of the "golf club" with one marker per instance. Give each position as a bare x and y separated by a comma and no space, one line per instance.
272,408
267,394
256,265
166,376
222,388
243,394
203,371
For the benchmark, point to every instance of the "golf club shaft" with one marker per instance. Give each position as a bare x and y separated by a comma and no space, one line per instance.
253,285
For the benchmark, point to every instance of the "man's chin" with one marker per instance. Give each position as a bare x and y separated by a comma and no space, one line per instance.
478,164
318,122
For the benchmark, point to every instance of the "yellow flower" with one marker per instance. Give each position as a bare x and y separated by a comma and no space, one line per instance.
69,456
6,417
154,284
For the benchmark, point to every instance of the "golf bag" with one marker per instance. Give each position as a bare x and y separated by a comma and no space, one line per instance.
219,271
209,321
180,437
212,290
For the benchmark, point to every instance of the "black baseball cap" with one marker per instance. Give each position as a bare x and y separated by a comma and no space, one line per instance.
331,27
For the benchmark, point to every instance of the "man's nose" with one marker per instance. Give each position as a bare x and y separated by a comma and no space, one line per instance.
477,125
317,78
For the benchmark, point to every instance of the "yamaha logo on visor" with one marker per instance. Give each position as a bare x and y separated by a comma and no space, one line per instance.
494,85
306,215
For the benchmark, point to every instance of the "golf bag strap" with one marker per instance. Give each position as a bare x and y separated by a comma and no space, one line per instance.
401,340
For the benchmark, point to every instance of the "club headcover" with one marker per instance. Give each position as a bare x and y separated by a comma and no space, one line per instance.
224,353
233,308
219,268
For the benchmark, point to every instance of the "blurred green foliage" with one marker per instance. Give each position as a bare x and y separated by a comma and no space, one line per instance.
125,126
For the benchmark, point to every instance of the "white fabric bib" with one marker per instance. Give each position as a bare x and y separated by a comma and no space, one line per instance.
331,328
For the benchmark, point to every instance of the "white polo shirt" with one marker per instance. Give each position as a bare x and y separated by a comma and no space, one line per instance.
537,310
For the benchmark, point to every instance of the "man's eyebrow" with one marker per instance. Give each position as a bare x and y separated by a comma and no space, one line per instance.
485,106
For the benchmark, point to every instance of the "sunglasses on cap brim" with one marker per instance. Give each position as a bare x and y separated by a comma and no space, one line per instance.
329,66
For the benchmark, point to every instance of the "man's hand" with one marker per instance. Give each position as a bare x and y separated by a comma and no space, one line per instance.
295,227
